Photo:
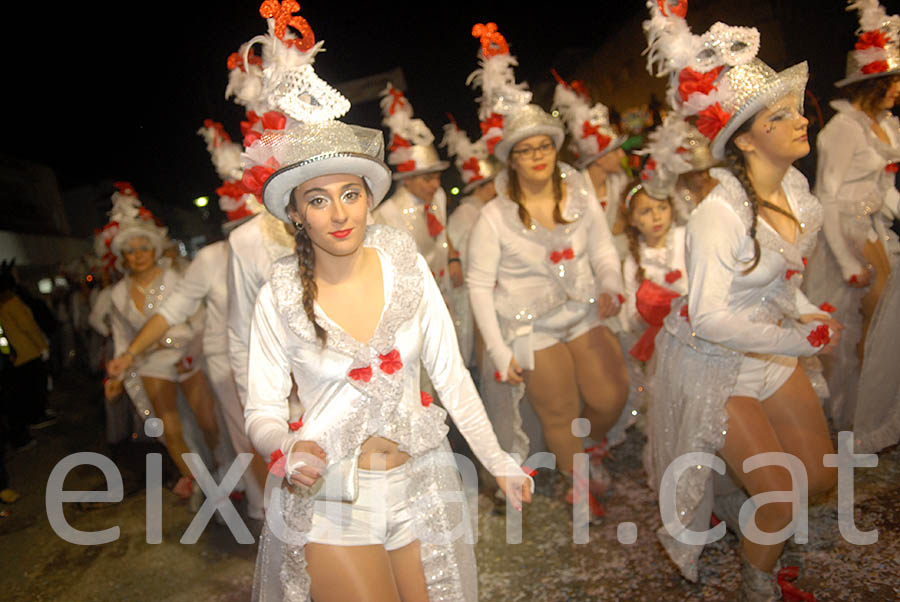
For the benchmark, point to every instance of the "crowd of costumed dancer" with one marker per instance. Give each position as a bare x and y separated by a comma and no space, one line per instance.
349,328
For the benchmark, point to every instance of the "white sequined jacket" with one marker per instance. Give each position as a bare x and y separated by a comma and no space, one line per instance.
353,391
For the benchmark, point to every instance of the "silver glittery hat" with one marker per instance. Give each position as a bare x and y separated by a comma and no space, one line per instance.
877,50
747,90
411,152
307,151
525,122
308,141
592,134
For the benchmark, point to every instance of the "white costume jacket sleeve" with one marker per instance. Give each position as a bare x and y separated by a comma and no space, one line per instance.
718,250
193,287
243,285
267,417
100,311
836,146
484,263
632,319
604,257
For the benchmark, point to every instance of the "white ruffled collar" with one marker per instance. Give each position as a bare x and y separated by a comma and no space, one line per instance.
805,206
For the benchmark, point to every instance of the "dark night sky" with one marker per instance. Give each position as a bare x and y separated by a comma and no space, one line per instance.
119,92
121,97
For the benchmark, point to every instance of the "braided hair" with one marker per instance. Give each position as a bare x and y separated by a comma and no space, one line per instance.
515,193
738,166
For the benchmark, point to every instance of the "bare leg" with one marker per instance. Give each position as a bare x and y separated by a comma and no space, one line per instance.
202,401
875,255
406,563
162,394
553,393
359,573
602,378
789,421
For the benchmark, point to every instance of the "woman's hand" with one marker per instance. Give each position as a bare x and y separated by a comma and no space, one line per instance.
116,367
514,373
456,273
112,388
833,325
305,463
607,306
861,280
517,489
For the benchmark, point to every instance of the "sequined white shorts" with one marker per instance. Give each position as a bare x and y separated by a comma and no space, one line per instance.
379,516
761,375
564,324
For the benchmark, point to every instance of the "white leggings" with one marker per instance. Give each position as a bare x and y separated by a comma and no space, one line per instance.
379,516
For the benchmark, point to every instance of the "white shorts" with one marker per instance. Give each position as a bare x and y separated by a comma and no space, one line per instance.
379,516
564,324
761,375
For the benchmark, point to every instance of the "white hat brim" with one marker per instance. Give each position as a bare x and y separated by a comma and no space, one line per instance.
155,235
864,76
582,163
281,184
439,166
557,134
780,86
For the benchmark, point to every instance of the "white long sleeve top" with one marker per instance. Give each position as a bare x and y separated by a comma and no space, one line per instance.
516,274
460,224
353,390
754,312
204,279
852,183
99,316
664,266
252,249
407,212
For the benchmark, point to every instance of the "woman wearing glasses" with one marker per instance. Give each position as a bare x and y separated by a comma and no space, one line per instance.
543,275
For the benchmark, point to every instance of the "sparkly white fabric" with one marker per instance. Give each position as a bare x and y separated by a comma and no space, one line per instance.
404,211
343,411
512,277
514,282
253,247
860,200
698,356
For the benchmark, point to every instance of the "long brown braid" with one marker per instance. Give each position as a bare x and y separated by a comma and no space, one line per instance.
738,166
632,233
515,193
306,262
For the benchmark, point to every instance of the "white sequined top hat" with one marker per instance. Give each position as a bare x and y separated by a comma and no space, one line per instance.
877,50
592,134
128,219
412,152
235,200
506,114
714,79
303,138
475,165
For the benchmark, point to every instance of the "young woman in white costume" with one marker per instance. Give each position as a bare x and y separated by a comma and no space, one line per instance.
726,377
543,275
858,153
152,383
372,508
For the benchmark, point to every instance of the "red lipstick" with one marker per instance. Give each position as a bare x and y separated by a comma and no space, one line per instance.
341,233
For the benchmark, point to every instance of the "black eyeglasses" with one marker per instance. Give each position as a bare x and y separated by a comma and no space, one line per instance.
532,152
